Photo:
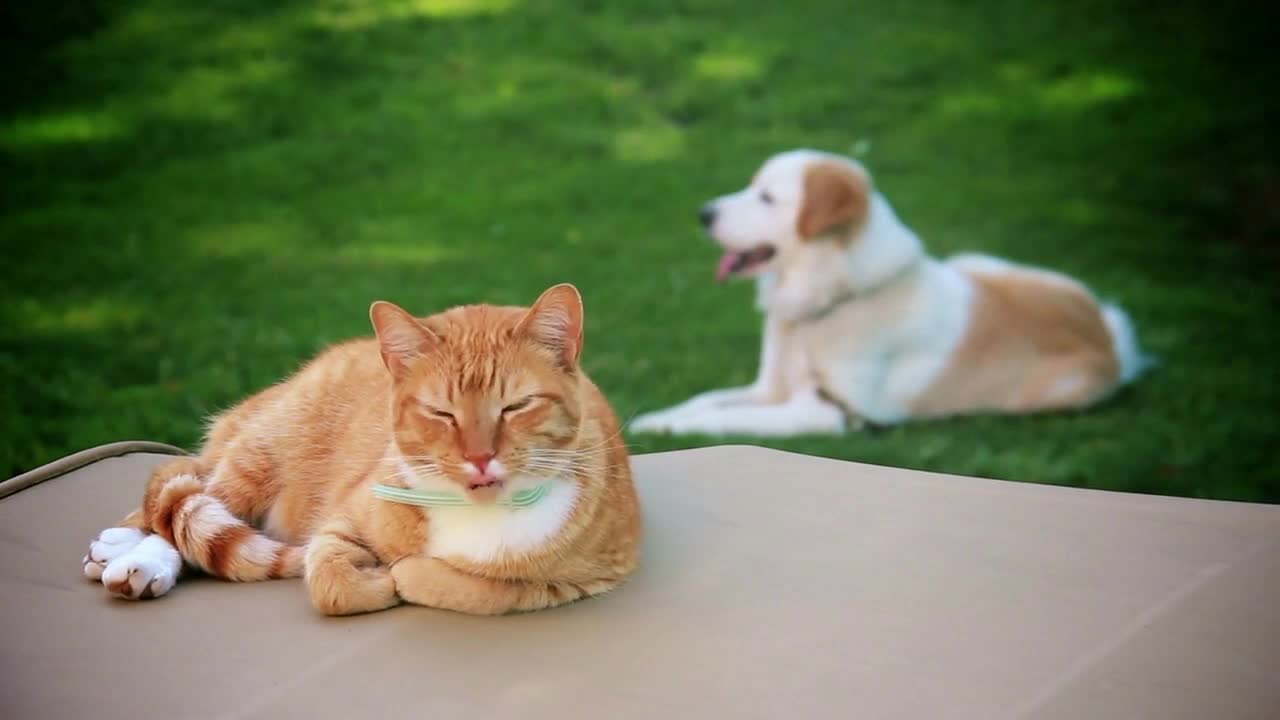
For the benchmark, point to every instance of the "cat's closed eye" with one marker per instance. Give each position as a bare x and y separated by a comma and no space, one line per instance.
438,413
518,405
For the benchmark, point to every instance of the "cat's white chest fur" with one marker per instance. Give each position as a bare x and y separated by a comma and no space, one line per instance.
483,533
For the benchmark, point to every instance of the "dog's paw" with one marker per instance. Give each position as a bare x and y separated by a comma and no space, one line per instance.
676,423
147,570
109,545
654,422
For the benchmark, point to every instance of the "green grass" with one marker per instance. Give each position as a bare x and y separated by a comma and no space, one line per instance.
199,196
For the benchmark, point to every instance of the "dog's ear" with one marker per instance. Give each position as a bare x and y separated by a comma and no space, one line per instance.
835,194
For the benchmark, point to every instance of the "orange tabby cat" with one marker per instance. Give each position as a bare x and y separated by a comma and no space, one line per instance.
486,404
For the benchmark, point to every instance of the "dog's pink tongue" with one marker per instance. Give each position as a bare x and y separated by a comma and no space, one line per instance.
727,263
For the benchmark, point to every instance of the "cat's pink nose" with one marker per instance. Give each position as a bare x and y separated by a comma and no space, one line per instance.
480,459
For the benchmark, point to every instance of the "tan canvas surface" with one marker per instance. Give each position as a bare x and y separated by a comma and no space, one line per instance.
773,586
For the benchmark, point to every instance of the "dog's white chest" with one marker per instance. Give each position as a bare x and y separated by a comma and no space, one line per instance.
484,533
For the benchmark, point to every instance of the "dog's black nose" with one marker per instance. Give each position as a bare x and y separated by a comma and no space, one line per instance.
707,215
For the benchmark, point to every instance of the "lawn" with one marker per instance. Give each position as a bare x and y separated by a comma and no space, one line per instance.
199,196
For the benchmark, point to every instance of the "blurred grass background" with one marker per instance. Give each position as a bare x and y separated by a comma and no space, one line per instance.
197,197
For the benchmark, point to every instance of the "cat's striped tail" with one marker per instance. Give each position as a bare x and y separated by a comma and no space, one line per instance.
207,534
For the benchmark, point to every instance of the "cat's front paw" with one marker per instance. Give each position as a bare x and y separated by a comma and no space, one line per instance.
109,545
139,578
420,579
131,564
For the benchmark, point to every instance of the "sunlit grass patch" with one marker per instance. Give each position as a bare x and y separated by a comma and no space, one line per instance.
61,128
728,65
356,14
648,143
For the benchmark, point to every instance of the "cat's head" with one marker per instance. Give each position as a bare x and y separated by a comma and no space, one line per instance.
486,399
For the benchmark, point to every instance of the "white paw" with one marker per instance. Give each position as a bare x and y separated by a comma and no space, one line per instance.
654,422
109,545
674,423
147,570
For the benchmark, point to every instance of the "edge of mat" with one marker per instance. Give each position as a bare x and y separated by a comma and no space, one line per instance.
77,460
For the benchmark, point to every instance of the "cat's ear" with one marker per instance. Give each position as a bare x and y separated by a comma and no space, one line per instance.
555,321
401,338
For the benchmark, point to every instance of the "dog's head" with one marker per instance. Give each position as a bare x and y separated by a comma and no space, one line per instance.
796,198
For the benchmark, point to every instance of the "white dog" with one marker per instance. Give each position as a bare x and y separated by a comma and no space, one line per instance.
862,325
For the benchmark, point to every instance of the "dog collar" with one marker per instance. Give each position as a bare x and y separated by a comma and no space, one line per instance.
443,498
852,294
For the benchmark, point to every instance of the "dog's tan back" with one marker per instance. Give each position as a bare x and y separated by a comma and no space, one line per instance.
1036,341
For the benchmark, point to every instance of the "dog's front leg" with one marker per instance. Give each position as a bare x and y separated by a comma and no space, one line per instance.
664,420
805,412
769,387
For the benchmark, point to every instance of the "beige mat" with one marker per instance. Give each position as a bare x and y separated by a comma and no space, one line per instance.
773,586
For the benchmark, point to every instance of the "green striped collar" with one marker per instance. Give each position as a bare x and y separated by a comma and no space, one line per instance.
443,498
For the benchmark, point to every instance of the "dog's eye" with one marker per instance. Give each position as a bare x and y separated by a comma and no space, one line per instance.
765,197
518,405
